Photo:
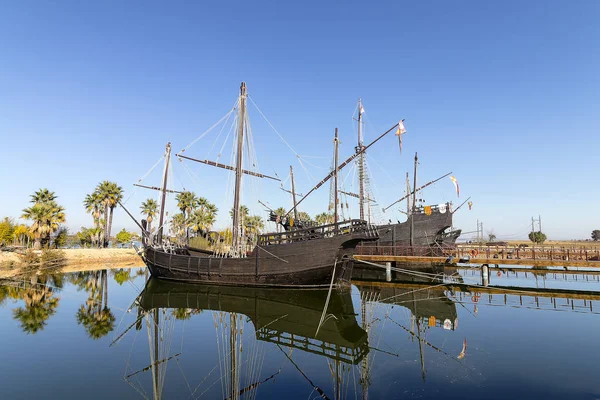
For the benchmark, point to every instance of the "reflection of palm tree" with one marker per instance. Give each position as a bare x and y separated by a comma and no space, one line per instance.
97,324
122,275
40,304
95,315
185,313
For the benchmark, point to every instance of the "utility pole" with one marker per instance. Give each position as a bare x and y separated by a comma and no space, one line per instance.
540,222
532,227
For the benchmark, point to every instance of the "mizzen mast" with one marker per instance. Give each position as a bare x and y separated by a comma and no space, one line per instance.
236,231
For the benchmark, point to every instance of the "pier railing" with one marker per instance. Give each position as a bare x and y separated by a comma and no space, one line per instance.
485,252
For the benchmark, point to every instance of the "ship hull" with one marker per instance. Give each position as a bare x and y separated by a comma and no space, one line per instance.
308,262
427,230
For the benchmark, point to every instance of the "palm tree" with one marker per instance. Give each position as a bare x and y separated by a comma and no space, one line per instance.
202,221
94,205
20,233
42,196
111,194
324,218
253,226
203,218
304,216
280,212
187,203
46,219
178,226
149,210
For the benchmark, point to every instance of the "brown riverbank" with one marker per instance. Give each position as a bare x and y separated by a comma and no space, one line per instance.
76,260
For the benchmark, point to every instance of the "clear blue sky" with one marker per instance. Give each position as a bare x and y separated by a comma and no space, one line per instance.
504,94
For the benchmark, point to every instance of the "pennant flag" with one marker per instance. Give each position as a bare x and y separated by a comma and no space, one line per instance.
399,133
401,128
362,109
453,179
470,204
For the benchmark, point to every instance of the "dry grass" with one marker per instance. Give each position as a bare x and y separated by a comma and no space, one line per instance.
558,243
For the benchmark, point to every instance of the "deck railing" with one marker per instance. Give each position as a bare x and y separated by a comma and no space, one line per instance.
317,232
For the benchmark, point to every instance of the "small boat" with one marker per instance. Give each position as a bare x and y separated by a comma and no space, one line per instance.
315,256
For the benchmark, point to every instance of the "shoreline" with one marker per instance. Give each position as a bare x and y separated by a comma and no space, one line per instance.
79,260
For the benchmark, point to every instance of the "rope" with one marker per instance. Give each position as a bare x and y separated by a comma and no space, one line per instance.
211,128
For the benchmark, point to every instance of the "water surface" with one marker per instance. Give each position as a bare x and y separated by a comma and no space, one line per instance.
110,334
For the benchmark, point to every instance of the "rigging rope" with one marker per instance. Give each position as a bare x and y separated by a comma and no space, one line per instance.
211,128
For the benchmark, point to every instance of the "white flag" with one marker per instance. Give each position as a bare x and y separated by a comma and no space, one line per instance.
401,128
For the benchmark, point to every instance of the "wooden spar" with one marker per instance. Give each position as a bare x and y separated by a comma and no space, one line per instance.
342,165
290,192
144,232
335,177
294,193
156,188
238,170
361,165
407,195
263,204
414,191
164,193
224,166
414,200
462,204
355,195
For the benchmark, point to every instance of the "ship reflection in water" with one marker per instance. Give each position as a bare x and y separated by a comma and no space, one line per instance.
426,332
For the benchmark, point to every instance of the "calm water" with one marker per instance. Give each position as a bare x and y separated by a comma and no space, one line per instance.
109,334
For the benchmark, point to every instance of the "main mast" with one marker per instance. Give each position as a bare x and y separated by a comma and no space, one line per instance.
336,142
361,164
164,193
293,193
236,232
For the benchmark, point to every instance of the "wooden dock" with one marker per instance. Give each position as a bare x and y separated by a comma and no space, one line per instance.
532,256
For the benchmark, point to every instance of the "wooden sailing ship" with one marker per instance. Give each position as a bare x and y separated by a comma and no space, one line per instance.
300,257
425,226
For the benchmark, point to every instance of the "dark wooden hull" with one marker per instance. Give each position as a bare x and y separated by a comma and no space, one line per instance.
428,231
284,316
309,263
